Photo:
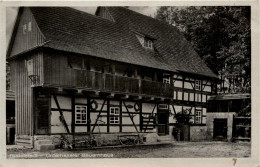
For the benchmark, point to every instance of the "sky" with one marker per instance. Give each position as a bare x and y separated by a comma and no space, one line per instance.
11,13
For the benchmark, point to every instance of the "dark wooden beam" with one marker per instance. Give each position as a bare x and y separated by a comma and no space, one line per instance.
108,95
147,98
46,90
168,100
70,90
158,99
141,116
150,118
135,97
88,114
131,117
108,115
90,93
99,115
73,113
61,115
120,116
121,96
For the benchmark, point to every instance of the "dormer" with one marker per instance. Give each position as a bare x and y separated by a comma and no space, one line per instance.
146,41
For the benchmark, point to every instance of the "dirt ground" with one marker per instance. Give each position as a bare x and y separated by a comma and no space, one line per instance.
174,150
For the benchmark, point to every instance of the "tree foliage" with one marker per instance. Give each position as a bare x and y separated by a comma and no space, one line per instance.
221,36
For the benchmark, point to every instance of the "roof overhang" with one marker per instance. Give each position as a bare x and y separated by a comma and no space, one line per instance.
231,97
214,77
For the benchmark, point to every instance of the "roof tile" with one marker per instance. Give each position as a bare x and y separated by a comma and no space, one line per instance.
71,30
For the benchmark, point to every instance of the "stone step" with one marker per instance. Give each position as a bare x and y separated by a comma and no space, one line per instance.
164,138
24,143
24,140
43,142
44,147
42,138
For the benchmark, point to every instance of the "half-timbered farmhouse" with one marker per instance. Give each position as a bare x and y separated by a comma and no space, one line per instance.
114,73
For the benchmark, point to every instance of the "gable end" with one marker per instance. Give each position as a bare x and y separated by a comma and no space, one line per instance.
104,13
26,34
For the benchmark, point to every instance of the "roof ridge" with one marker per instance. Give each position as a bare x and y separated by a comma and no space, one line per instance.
95,16
79,11
162,22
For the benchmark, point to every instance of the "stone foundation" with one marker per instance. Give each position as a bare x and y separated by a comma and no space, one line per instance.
199,133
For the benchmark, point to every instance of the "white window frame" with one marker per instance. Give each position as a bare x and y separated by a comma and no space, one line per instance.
197,84
167,78
80,113
114,115
29,26
24,28
163,106
148,43
198,116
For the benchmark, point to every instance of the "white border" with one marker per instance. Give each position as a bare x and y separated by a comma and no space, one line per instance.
148,162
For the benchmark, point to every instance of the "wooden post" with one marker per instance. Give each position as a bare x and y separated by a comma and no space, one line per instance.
131,119
120,116
150,117
114,77
73,113
61,114
155,76
201,115
175,113
98,115
141,116
108,115
88,114
135,73
183,80
194,101
35,112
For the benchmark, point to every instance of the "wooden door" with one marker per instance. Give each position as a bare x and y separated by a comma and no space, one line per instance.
42,113
163,122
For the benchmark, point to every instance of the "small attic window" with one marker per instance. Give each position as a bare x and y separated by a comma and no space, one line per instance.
30,26
146,42
24,28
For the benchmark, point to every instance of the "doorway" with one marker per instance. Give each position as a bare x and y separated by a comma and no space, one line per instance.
10,121
220,129
162,121
42,114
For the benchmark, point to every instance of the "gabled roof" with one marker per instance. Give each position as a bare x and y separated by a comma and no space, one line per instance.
71,30
170,43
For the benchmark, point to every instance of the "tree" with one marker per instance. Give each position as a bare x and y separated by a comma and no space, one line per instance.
220,35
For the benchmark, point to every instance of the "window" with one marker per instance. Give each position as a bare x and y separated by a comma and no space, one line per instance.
145,41
166,78
148,43
197,85
198,116
29,26
163,106
80,114
24,28
198,97
114,115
